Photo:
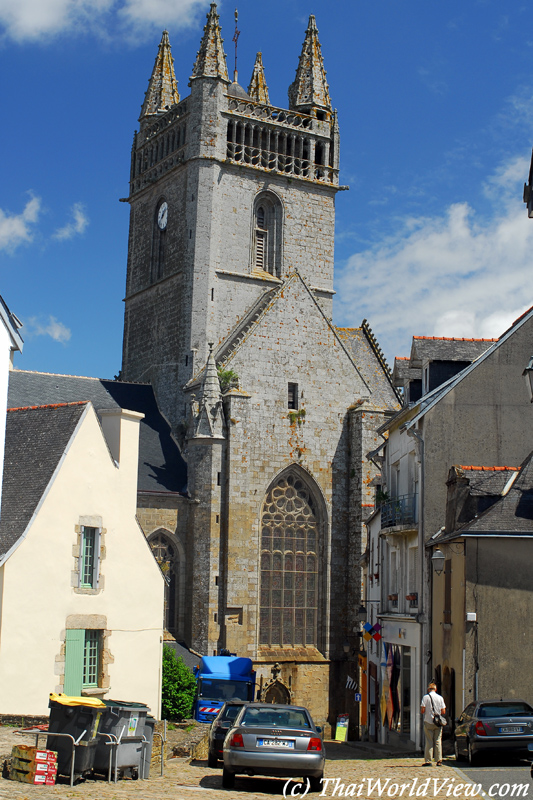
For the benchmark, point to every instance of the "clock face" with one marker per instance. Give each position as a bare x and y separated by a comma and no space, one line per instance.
162,216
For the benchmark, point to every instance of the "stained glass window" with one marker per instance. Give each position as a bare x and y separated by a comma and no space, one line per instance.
289,564
168,560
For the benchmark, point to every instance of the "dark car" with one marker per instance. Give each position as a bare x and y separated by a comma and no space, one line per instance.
277,740
219,728
494,726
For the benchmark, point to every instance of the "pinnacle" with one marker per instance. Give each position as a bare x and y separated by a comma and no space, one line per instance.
258,89
211,59
310,88
162,92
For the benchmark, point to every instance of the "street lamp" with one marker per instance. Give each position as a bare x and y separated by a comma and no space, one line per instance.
437,559
361,614
528,375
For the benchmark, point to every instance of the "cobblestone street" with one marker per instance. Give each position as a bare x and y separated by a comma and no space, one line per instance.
184,779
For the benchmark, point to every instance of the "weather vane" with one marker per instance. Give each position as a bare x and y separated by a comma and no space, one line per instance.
236,39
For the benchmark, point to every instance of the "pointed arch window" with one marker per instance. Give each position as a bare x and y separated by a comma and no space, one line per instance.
267,234
159,240
167,558
289,565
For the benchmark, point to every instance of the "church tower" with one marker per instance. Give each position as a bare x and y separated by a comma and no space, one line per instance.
228,315
228,195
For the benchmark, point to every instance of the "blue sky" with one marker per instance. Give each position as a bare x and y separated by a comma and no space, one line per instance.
435,103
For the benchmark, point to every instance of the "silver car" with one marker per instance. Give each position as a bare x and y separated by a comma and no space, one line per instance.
494,726
277,740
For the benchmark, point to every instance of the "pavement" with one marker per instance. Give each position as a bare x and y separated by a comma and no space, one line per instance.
354,770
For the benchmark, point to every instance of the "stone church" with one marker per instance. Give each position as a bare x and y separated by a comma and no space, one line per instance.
228,313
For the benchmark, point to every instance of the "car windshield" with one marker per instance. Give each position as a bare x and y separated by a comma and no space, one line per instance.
223,690
230,712
272,718
505,710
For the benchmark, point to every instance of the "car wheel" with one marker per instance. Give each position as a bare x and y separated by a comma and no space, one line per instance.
458,755
472,757
228,779
212,760
315,784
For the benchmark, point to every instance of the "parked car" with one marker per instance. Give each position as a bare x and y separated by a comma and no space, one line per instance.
277,740
494,726
219,728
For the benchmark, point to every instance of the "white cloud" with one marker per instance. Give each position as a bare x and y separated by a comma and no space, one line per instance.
460,274
16,228
76,226
31,20
38,326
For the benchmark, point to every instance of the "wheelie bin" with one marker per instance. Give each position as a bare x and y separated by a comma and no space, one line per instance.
121,729
79,717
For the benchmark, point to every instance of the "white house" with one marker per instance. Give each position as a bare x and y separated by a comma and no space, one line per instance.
81,595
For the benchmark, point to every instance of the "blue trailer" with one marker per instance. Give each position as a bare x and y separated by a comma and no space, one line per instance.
221,678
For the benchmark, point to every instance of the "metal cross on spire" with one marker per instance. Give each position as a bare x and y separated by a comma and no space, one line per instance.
236,39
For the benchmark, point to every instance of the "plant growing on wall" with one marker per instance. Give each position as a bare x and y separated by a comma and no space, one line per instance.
228,379
297,416
178,687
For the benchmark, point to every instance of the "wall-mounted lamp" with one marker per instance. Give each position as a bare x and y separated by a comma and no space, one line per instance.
346,647
361,614
437,559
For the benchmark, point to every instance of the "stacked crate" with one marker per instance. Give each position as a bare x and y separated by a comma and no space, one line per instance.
33,765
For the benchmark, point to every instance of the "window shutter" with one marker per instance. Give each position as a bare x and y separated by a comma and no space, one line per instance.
74,651
260,249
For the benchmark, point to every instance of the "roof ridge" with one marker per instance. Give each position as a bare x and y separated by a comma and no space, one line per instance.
402,358
80,377
454,339
50,405
487,469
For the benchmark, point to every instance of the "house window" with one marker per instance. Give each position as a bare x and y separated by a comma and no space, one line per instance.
82,660
89,564
289,565
412,581
91,658
447,591
292,398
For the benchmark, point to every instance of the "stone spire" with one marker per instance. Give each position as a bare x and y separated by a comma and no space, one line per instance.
162,89
208,416
310,88
258,89
211,59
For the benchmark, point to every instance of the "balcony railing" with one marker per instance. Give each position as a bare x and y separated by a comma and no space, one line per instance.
399,511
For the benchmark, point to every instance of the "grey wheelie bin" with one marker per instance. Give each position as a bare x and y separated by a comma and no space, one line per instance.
149,725
121,731
70,715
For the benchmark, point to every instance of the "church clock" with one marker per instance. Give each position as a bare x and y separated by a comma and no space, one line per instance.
162,215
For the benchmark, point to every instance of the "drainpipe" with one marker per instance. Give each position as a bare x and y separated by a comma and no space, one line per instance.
421,552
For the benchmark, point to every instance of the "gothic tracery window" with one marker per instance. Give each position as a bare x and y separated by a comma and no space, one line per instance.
167,558
289,565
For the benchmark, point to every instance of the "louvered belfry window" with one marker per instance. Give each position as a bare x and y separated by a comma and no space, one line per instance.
289,565
261,240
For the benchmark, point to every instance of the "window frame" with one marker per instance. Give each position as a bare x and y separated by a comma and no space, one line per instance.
89,558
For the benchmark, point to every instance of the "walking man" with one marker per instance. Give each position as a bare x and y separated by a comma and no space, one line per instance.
432,703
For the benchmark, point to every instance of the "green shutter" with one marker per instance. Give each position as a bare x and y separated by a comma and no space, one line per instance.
74,650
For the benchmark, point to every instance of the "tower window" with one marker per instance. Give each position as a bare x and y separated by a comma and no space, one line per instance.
292,399
159,239
266,251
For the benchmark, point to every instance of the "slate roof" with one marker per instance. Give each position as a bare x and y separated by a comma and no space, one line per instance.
512,515
161,466
403,371
442,348
189,659
36,439
485,480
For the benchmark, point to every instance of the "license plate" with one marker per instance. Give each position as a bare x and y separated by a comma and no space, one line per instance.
276,743
511,729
